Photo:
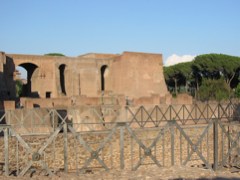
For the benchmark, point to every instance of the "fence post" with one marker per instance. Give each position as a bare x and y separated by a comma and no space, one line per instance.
122,126
170,112
6,151
215,145
172,142
126,113
53,121
65,147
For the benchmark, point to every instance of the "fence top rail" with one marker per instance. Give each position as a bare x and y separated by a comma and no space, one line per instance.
143,116
5,126
135,106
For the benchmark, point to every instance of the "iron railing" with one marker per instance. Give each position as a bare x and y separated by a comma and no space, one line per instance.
48,140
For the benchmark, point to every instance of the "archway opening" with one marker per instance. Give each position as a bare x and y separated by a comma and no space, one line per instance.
62,68
20,79
25,72
104,74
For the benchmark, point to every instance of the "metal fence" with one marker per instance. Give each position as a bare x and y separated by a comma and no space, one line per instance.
46,141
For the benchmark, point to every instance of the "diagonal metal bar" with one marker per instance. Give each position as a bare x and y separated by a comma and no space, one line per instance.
12,114
28,149
102,163
190,112
86,164
138,163
233,145
155,160
133,116
147,150
183,120
23,172
43,119
163,115
231,140
63,119
201,116
229,109
141,116
19,121
176,113
94,154
3,116
80,139
45,166
149,116
22,142
181,110
223,110
50,139
101,146
136,138
160,134
98,115
195,146
168,109
26,115
40,151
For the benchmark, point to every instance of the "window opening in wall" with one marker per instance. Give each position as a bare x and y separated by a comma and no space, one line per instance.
104,73
48,94
62,78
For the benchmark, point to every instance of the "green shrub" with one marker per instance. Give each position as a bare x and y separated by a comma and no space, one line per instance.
214,89
237,91
19,86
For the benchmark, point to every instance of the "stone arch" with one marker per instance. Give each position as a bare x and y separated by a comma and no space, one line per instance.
62,69
27,88
104,74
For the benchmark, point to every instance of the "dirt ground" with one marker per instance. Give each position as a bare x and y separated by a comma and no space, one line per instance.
142,173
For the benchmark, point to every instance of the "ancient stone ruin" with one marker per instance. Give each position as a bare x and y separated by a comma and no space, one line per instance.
92,79
105,111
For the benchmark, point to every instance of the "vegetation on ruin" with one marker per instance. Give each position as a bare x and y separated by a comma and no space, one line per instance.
207,77
54,54
19,86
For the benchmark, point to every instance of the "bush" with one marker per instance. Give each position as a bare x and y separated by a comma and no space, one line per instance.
237,91
19,86
214,90
54,54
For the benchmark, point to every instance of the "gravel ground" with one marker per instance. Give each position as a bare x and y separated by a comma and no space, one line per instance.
174,172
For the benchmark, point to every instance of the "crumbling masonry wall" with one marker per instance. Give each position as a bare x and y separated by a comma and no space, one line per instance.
129,75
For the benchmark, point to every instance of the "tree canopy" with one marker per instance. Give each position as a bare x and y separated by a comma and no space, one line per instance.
191,75
213,66
179,74
54,54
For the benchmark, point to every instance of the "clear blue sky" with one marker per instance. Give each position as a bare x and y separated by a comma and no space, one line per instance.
74,27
